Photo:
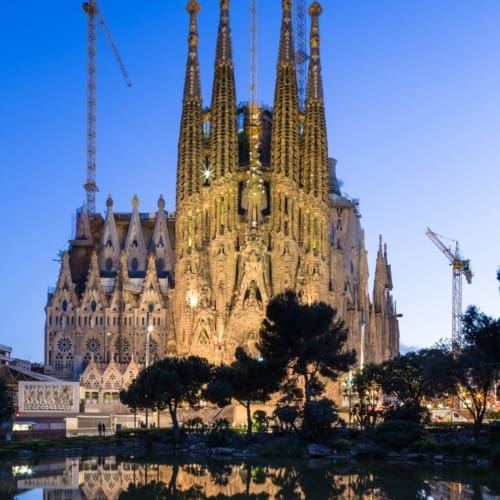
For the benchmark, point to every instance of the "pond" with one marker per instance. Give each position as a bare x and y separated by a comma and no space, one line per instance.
191,477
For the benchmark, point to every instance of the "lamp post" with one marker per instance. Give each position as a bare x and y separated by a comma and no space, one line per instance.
149,329
362,324
106,336
348,392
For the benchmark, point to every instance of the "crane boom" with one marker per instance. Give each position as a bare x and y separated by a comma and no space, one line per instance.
115,50
460,267
94,15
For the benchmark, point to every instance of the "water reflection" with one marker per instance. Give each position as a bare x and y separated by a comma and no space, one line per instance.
121,478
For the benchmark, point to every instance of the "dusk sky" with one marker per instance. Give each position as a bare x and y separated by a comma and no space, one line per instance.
412,95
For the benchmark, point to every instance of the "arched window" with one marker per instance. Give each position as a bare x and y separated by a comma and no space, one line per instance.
69,362
58,365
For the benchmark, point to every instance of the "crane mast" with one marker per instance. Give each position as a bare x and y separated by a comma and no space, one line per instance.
460,267
94,15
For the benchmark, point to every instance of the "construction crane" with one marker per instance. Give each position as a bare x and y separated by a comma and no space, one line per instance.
300,49
94,15
460,267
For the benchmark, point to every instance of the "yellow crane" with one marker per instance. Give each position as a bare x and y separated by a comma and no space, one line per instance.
460,267
94,16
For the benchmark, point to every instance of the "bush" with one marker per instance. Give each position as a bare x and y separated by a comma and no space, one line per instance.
261,420
342,445
409,413
398,434
318,419
221,434
286,446
194,424
425,444
286,416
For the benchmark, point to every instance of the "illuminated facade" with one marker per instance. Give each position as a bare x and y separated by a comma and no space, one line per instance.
258,210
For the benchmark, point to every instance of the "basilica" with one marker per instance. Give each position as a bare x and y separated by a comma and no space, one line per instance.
258,211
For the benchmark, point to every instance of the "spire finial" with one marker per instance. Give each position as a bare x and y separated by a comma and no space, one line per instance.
135,201
161,202
193,7
315,9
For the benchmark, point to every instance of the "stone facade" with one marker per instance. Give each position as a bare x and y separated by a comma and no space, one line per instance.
258,210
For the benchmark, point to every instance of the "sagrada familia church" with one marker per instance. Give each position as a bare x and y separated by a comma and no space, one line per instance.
258,210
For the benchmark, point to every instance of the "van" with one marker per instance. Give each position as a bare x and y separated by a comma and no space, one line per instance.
446,415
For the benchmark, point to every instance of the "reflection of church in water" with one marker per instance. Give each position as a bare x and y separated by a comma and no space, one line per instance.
258,211
108,478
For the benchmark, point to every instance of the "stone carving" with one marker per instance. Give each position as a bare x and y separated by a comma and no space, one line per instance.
48,396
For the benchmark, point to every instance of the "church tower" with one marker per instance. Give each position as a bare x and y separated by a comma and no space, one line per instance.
258,211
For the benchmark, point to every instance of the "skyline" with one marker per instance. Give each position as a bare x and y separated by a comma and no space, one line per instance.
412,108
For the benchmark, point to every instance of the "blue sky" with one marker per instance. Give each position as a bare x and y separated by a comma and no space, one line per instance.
413,112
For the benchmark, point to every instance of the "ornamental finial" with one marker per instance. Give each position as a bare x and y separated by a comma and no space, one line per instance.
315,9
135,201
193,7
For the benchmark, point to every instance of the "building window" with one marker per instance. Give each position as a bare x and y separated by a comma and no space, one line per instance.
69,363
64,344
111,398
91,397
58,366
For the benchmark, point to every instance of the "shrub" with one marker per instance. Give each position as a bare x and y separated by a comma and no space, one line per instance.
286,415
409,413
286,446
221,434
194,424
398,434
261,420
318,419
342,445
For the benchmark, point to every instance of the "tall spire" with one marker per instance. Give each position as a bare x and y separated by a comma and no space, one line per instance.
314,175
190,156
223,131
382,281
285,132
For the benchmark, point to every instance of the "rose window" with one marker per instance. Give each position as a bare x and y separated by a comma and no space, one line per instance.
64,345
93,345
122,345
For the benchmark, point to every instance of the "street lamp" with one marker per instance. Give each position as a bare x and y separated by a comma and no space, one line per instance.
362,324
347,391
149,329
106,336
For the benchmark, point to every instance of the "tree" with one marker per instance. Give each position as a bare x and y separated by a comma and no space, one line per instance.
408,379
133,398
246,380
7,409
367,384
305,341
169,382
477,364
